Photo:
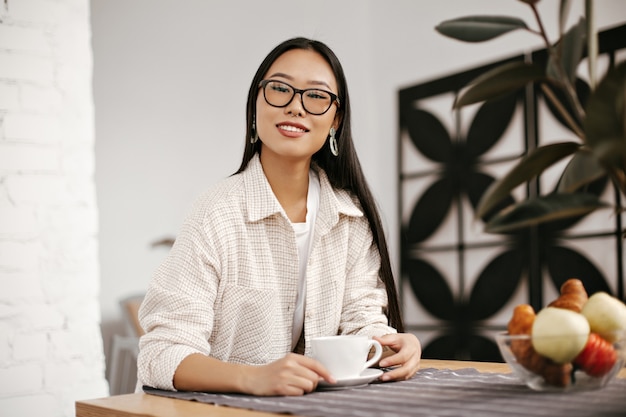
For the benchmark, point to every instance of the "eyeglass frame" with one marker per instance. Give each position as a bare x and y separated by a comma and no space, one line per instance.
333,96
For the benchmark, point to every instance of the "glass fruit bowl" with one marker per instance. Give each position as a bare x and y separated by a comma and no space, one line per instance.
541,374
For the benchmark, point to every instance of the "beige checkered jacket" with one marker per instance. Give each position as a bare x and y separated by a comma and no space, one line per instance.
228,287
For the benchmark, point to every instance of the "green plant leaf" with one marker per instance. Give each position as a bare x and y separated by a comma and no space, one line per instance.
570,52
564,8
592,44
499,81
612,156
612,153
528,167
582,169
605,124
479,28
544,209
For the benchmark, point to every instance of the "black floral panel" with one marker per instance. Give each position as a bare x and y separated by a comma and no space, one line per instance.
458,283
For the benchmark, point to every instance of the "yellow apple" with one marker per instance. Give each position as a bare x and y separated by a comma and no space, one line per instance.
559,334
606,315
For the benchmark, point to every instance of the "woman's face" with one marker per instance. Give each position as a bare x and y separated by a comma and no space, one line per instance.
291,132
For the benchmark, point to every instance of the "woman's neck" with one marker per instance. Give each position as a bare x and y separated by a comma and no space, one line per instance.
289,181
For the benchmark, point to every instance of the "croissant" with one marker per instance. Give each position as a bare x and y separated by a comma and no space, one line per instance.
573,296
521,323
522,320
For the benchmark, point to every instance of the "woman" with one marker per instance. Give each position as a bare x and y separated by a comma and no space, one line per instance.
289,248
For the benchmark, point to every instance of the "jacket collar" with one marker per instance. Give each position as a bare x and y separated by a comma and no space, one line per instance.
262,202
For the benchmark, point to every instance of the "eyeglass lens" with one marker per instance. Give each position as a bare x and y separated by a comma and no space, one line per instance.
314,101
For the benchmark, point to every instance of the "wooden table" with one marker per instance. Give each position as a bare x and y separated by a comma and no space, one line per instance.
144,405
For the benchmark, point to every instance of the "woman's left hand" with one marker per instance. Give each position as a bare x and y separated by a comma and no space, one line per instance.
406,359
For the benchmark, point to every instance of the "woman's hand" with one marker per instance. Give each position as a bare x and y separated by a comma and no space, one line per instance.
408,352
292,375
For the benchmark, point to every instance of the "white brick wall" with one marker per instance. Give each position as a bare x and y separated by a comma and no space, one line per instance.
50,341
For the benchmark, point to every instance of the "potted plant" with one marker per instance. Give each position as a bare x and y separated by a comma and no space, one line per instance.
599,126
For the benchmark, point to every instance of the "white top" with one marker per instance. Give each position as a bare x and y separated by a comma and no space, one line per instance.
303,241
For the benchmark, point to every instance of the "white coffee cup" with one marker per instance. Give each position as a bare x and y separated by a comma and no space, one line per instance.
345,356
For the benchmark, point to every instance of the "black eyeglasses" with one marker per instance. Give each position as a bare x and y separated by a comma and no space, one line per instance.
314,100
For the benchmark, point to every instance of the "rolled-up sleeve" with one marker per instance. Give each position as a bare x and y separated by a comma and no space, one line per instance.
177,312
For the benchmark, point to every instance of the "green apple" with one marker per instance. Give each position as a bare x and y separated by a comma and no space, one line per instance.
559,334
606,315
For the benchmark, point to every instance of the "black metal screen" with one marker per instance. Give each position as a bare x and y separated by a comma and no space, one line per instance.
459,284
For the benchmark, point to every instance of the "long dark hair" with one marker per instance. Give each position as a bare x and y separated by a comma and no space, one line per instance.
343,171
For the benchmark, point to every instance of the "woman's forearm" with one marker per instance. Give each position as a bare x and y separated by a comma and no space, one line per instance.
198,372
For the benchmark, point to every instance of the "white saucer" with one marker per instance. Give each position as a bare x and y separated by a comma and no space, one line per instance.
366,377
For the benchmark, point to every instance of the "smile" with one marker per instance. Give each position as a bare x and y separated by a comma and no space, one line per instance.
291,128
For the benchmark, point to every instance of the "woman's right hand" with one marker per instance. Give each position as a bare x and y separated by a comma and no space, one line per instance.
292,375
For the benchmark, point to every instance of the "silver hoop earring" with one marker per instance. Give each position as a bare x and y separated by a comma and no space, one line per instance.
332,141
255,135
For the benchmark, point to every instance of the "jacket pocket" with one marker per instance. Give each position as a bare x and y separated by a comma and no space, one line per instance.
248,325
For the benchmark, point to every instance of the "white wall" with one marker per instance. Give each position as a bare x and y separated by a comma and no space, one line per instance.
50,341
170,84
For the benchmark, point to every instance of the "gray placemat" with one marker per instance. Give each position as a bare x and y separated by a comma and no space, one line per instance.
431,392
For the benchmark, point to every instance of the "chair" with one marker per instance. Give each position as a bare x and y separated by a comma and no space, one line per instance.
125,348
130,309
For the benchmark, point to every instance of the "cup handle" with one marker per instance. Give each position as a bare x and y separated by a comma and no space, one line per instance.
377,354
